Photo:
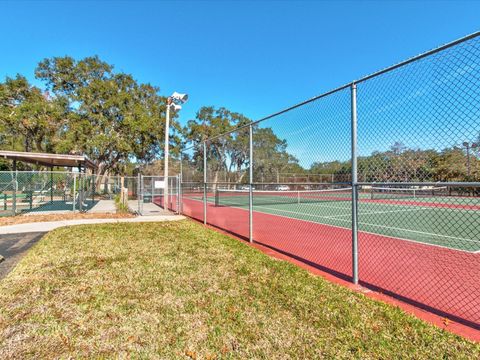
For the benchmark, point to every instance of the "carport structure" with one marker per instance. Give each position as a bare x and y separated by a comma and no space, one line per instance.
50,160
26,191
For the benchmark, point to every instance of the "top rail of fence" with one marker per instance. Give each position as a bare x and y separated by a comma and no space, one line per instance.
345,86
417,183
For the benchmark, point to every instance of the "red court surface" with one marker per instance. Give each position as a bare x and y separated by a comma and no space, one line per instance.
440,280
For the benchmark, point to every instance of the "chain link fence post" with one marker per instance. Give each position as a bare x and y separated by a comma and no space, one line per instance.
140,193
250,181
177,193
15,189
205,182
354,186
180,181
80,191
74,191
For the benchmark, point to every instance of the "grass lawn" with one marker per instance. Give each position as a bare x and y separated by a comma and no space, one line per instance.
180,290
22,219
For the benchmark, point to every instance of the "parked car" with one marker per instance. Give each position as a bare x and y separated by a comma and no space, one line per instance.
283,187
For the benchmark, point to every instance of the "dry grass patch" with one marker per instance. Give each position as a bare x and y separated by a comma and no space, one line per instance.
180,290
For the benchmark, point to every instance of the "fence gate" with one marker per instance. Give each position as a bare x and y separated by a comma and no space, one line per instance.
152,194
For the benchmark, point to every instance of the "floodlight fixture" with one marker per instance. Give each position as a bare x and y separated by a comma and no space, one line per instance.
179,98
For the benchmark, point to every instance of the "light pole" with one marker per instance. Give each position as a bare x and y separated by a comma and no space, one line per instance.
174,101
469,146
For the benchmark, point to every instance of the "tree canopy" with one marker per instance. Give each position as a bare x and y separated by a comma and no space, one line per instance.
228,146
87,108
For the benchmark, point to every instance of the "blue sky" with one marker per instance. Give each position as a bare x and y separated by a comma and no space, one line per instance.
253,57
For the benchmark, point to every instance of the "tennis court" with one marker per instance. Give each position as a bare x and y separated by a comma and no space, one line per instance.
402,214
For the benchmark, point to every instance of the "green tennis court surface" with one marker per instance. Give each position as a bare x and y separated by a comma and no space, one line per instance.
452,222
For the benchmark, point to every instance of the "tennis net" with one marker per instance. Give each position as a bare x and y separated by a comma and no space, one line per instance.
408,193
224,197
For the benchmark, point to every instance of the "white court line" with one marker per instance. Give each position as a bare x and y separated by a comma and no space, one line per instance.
414,208
301,204
380,212
376,225
362,231
399,204
360,202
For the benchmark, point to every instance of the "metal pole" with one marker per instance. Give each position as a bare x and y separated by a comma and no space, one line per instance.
51,184
250,180
138,192
169,195
165,180
205,182
80,195
74,190
177,193
468,160
15,188
180,204
80,191
94,185
354,186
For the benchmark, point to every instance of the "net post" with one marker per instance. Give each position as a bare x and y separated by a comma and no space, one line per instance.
250,180
205,182
354,185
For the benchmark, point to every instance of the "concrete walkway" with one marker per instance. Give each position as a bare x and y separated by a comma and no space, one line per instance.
104,206
48,226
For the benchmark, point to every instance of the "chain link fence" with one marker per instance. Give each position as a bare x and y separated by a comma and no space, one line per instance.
377,181
44,192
